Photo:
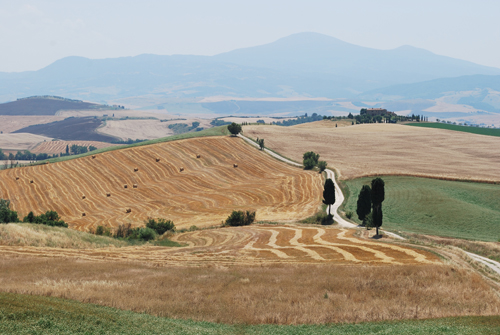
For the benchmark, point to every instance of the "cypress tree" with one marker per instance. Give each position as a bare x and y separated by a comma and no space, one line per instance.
364,204
378,196
329,194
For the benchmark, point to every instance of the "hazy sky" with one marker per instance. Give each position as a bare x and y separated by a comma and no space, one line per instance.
34,34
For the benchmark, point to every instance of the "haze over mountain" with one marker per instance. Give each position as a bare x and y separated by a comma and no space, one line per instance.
305,64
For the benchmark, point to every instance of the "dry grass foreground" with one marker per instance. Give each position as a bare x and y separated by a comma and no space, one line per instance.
57,147
371,149
255,245
283,294
203,194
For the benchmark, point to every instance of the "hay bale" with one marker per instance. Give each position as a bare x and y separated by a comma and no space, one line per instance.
128,210
136,169
83,197
17,178
125,186
135,185
93,156
158,159
83,214
198,156
181,169
235,165
108,194
31,181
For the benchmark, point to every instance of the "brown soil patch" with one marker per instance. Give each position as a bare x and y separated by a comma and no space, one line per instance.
371,149
203,194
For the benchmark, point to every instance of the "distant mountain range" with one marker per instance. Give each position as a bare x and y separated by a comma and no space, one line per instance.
305,64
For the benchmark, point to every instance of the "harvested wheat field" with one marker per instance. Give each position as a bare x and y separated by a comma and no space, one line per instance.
370,149
56,147
277,293
10,123
204,193
255,245
21,141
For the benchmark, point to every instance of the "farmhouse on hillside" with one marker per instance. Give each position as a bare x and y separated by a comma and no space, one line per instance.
376,111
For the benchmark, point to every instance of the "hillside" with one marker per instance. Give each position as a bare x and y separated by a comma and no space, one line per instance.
70,129
43,106
436,88
300,65
203,194
369,149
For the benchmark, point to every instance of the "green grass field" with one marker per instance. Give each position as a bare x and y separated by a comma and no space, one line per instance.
466,129
25,314
436,207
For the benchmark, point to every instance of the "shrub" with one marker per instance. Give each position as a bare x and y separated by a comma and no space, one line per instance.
160,226
123,230
101,230
322,166
49,218
320,218
240,218
349,215
193,228
7,215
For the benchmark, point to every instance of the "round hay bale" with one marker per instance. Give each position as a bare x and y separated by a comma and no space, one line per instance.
31,181
125,186
83,214
17,178
198,156
136,169
128,210
108,194
93,156
83,197
235,165
158,159
181,169
135,186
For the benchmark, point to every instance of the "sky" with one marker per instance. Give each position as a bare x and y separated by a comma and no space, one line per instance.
33,34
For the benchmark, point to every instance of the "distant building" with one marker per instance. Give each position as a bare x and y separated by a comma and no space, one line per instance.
376,111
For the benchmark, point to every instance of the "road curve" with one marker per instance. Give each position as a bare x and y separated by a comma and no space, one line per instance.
339,197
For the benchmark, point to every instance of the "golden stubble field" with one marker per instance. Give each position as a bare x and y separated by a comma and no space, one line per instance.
203,194
370,149
10,123
57,147
287,274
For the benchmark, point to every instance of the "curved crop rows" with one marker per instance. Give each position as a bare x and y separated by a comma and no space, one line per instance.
204,193
57,147
264,244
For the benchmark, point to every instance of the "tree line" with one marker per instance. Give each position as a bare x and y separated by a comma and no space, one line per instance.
369,204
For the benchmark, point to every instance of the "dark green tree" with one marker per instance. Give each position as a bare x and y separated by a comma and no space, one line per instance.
364,204
329,195
310,160
378,196
67,149
261,143
6,214
234,129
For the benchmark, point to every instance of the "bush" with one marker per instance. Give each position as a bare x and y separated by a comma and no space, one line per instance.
240,218
160,226
320,218
7,215
322,166
349,215
49,218
101,230
368,221
145,234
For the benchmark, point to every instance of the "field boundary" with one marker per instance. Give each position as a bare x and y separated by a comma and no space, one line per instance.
417,175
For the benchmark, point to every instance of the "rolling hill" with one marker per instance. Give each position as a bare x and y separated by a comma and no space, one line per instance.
203,194
48,105
305,64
